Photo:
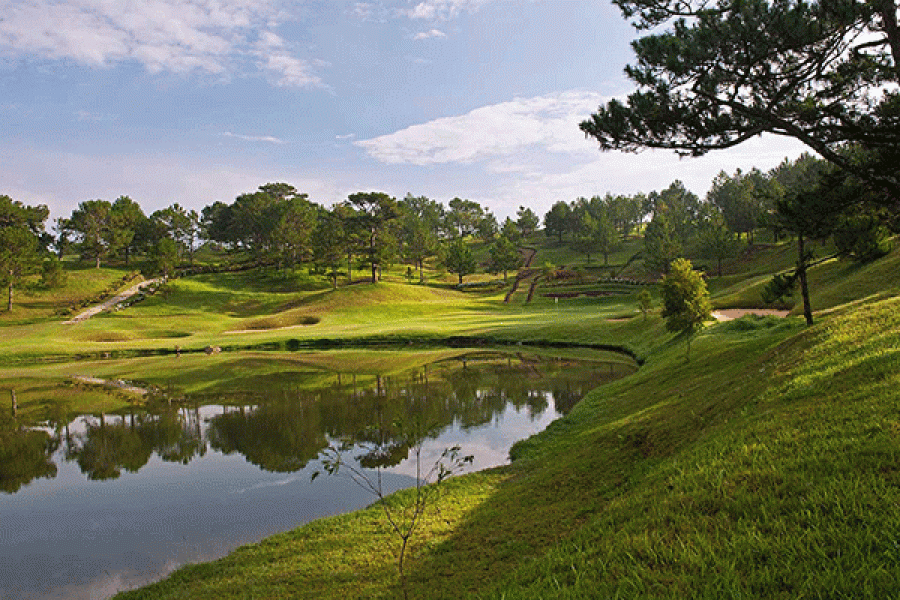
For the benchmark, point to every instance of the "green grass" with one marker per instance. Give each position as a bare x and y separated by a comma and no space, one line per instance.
33,303
766,467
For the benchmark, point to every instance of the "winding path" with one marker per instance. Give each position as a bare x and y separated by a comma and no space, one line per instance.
109,303
523,274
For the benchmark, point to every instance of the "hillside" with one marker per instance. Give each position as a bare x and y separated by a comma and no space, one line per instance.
766,467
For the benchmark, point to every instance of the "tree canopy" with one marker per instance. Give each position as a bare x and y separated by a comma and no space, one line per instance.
715,74
685,300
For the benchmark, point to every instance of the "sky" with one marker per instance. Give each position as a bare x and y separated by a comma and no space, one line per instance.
194,101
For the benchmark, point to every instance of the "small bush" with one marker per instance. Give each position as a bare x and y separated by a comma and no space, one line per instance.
53,275
862,238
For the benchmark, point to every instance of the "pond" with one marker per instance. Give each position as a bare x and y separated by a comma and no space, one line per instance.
114,473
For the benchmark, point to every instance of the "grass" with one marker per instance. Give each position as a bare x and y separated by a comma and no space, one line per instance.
766,467
33,303
667,484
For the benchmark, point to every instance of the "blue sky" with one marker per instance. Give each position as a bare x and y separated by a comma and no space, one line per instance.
193,101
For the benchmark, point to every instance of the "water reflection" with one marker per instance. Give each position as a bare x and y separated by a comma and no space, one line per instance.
25,455
107,445
202,467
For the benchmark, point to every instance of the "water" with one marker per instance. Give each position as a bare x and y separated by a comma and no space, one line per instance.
223,453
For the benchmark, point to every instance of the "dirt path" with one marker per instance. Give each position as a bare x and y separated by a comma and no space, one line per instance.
524,274
728,314
106,305
110,383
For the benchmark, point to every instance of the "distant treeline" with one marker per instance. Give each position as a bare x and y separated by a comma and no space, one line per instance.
280,227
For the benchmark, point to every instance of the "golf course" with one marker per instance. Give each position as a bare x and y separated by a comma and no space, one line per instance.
763,464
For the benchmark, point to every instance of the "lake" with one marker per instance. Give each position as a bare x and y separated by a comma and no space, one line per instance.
114,473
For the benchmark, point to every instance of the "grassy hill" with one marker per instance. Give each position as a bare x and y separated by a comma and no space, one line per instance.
766,467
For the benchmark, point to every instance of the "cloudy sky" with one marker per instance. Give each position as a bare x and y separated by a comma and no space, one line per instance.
194,101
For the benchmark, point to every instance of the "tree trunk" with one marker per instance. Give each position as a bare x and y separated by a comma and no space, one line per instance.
888,11
9,301
804,286
372,257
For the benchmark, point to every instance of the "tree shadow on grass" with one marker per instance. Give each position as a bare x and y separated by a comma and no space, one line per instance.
255,280
531,513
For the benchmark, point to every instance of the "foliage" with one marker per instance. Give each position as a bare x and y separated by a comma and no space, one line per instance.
404,519
53,275
463,217
21,239
680,207
505,257
645,302
779,287
717,240
510,231
375,214
527,221
458,259
420,222
604,236
661,245
862,237
91,223
329,243
809,210
685,300
712,75
734,196
164,257
558,220
129,227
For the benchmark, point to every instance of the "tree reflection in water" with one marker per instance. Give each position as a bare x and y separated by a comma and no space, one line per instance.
110,444
25,455
282,426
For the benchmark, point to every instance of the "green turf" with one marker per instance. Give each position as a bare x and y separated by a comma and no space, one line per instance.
766,467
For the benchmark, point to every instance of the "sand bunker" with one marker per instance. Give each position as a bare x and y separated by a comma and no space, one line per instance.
728,314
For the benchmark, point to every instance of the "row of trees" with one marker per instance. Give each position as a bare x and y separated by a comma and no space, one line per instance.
712,75
278,226
273,226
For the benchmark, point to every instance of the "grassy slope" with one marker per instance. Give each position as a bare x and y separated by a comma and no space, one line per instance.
764,467
757,469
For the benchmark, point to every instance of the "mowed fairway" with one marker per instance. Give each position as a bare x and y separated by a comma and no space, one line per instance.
217,310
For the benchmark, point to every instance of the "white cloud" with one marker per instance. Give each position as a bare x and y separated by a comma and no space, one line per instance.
373,12
178,36
433,33
532,148
254,138
547,122
442,9
278,61
620,172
